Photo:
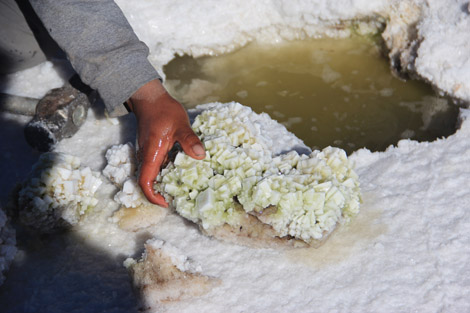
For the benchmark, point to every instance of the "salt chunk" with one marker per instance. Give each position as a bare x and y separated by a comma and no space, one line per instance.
205,200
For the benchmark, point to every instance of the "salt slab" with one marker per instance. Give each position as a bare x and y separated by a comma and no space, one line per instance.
246,192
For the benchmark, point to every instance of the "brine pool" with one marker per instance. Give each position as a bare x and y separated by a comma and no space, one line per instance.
337,92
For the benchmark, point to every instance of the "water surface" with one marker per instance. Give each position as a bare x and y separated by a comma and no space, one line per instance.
336,92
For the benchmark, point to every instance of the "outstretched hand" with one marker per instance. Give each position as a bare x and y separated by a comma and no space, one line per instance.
161,121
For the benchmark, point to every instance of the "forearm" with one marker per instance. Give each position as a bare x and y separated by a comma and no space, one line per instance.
101,46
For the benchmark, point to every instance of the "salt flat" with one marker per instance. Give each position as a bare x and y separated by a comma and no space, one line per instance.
406,251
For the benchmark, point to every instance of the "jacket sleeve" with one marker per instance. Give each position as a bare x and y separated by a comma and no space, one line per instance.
101,46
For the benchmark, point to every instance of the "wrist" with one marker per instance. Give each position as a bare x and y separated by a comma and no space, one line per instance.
148,93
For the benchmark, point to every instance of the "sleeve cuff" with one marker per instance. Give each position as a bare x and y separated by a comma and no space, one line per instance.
117,86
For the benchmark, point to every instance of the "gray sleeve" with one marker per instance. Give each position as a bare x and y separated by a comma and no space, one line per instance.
101,46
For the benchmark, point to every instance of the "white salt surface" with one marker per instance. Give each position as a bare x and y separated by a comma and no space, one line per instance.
408,249
22,84
444,53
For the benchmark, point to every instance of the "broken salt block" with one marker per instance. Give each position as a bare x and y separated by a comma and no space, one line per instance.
57,193
136,212
135,219
163,274
249,191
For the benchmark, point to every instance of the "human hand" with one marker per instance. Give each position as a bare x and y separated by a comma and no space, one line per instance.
161,121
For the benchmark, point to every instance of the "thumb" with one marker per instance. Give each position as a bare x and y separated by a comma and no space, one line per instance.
191,144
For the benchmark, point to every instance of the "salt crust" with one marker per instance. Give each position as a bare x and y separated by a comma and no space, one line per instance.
57,192
443,55
164,274
301,196
24,83
7,245
429,40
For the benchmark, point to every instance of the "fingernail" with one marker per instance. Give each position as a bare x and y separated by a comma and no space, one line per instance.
198,150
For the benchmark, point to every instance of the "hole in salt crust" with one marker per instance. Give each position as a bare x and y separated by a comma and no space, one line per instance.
337,92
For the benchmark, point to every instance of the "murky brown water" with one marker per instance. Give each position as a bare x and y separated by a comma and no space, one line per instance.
336,92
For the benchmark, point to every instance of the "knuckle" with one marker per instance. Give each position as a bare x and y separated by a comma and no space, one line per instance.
190,137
